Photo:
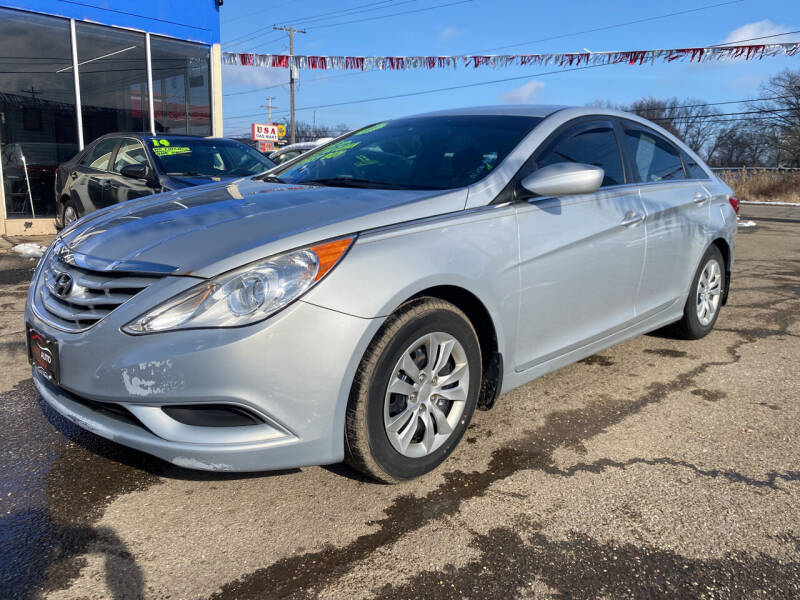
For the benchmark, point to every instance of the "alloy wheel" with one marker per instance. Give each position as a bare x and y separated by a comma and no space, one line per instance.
426,394
70,216
709,291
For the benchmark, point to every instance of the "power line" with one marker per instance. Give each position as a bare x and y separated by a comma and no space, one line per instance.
763,37
300,20
468,85
607,27
672,14
407,12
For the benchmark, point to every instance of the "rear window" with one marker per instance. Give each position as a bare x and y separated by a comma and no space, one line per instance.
99,156
418,153
654,158
207,157
693,168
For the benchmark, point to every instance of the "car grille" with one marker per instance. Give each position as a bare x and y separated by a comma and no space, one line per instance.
74,298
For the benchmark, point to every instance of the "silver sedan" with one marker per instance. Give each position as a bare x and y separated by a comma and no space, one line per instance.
359,302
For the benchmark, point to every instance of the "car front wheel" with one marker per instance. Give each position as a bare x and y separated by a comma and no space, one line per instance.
70,213
414,393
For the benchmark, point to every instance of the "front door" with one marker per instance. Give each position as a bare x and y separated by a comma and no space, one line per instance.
121,188
581,257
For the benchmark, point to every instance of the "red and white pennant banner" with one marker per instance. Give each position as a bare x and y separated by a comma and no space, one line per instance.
568,59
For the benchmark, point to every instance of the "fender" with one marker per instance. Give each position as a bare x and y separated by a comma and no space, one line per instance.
475,250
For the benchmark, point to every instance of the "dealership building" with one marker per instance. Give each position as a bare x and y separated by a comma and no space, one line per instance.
73,70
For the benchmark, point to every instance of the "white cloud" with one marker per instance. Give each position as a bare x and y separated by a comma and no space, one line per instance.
250,77
759,29
448,33
746,82
524,94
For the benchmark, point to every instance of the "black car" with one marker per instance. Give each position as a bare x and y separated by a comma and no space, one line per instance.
123,166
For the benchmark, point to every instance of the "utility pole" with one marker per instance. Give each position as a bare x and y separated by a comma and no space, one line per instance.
269,106
291,31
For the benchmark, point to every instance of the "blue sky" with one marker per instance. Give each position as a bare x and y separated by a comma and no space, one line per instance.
474,26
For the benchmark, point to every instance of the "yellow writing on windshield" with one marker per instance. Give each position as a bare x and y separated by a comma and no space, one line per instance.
331,151
171,150
373,128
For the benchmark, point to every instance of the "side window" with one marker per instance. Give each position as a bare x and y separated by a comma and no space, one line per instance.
98,157
693,169
130,152
592,144
654,158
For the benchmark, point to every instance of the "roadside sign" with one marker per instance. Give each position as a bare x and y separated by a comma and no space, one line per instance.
265,146
264,131
282,131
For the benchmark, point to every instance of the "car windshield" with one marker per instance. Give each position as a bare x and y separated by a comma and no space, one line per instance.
439,152
207,157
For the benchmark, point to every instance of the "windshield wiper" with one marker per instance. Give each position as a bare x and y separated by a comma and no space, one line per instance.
189,174
354,182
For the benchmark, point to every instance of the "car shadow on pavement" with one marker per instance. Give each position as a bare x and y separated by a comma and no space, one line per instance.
51,553
141,461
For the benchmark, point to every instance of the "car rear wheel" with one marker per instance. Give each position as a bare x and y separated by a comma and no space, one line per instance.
705,298
414,393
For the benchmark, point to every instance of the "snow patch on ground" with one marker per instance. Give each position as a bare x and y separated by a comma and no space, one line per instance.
770,203
29,250
746,223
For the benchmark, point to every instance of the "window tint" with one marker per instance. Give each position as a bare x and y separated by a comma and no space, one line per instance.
439,152
98,157
654,158
207,157
130,152
693,169
593,144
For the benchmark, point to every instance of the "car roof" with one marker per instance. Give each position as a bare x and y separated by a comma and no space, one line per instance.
513,110
146,135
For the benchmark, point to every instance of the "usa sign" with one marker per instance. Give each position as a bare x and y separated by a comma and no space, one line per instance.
265,132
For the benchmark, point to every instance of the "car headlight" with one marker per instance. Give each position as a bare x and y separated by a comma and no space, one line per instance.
245,295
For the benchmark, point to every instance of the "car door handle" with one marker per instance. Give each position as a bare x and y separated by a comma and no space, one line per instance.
699,198
632,218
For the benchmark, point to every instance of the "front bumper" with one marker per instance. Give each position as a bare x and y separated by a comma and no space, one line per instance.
293,370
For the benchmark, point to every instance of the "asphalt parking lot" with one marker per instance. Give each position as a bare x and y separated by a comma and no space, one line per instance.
657,468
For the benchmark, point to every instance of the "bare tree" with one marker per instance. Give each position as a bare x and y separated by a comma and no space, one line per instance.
741,144
306,132
779,117
691,119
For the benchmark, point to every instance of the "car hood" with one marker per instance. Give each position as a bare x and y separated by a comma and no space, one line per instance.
206,230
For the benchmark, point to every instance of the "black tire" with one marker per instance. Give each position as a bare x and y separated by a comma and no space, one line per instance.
690,327
367,445
71,204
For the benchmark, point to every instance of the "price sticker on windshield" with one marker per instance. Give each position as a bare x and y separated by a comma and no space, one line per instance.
171,150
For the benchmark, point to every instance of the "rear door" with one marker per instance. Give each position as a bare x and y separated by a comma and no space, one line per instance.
130,152
581,256
677,216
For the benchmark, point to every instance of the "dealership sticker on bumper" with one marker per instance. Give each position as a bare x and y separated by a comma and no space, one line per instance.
43,354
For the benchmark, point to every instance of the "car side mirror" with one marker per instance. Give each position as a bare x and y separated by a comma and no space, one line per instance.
563,179
135,171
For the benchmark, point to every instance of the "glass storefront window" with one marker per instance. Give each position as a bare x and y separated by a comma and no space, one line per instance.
181,88
112,64
38,117
38,129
